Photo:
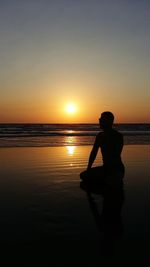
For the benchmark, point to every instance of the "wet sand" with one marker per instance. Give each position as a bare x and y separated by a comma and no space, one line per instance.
47,218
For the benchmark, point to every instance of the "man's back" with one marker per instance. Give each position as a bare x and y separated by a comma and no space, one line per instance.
111,144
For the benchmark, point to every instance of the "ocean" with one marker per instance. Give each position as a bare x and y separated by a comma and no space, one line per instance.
43,135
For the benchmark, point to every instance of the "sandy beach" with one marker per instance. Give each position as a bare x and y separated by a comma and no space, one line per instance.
46,215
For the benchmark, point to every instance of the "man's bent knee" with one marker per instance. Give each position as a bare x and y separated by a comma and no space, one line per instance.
84,175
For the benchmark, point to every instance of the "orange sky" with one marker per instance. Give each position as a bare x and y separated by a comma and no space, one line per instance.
93,54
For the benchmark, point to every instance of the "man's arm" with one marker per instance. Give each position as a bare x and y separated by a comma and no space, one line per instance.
93,153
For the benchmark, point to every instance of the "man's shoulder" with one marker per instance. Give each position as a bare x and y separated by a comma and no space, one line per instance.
115,131
117,134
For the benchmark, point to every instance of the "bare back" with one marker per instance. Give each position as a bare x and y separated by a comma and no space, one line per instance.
111,144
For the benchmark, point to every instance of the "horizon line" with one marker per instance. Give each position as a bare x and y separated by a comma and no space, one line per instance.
71,123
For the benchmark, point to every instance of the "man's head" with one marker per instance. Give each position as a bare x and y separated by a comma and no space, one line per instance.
106,120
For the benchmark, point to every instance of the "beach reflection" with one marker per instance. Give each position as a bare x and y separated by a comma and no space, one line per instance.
41,199
70,153
70,140
70,150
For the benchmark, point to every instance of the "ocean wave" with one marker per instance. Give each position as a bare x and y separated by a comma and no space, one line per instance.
83,133
52,141
66,134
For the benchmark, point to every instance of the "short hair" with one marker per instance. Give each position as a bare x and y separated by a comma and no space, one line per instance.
108,115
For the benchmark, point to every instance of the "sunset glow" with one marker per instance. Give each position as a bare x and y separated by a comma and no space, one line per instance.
70,108
74,61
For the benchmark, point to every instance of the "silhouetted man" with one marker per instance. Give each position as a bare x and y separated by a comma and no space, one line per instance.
106,179
110,142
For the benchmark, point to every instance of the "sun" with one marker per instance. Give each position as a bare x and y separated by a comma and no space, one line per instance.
70,108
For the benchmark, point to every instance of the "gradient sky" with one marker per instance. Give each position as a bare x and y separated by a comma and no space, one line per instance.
94,53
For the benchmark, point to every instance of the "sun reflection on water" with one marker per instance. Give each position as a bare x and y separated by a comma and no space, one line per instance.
70,150
70,131
69,141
